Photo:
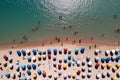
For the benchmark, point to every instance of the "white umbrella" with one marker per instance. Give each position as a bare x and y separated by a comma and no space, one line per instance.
55,77
29,78
17,68
83,62
83,75
78,63
34,58
97,59
90,64
59,72
118,74
103,74
77,78
10,60
13,76
90,69
28,51
49,75
19,74
109,74
98,76
83,69
107,52
11,66
69,75
69,51
89,75
96,51
112,52
65,76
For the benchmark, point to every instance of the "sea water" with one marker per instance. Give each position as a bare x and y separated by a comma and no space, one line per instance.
71,18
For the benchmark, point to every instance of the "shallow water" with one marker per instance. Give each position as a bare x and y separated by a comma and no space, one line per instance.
53,18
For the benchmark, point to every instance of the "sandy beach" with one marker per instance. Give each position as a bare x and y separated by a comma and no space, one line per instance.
47,65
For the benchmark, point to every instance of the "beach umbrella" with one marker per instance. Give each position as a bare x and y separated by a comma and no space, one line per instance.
109,74
29,59
113,58
69,64
60,51
13,76
59,66
69,51
104,74
50,75
54,58
59,72
10,52
39,71
60,60
83,69
109,66
44,52
5,57
103,66
108,59
78,63
55,77
11,66
18,52
65,50
44,74
29,67
23,52
113,78
88,57
117,58
89,69
97,59
83,62
65,76
7,74
83,75
118,65
17,68
78,72
55,51
49,56
28,72
64,66
49,51
97,65
4,63
69,75
96,51
65,60
39,57
39,52
34,51
74,75
54,64
117,51
29,78
118,74
17,62
98,76
103,59
28,52
34,75
18,74
112,52
89,75
114,69
107,52
82,49
76,51
23,67
90,64
69,56
77,78
23,78
34,59
10,60
44,56
34,66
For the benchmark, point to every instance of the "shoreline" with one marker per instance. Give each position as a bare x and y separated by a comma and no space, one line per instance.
60,41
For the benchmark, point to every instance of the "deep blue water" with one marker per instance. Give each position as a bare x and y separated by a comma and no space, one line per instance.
58,18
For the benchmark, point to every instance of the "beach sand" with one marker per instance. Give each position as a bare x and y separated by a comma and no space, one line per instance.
53,44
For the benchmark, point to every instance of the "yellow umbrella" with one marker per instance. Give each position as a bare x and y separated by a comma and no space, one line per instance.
34,76
118,65
109,65
103,65
64,66
4,63
74,75
39,56
114,78
114,68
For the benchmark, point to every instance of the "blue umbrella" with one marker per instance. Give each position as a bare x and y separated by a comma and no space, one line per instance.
108,59
82,49
55,51
69,56
23,78
7,74
34,51
29,66
23,52
29,59
39,52
23,67
39,71
34,66
65,59
28,72
69,64
76,51
49,51
88,58
103,59
117,58
18,52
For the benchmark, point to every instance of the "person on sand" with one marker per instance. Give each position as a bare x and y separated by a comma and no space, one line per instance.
49,63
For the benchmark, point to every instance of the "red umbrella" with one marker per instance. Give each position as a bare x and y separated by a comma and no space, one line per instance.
97,65
65,50
78,72
5,57
44,74
49,56
59,66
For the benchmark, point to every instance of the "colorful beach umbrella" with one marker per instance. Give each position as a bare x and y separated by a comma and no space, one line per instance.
23,78
114,69
109,65
55,51
44,74
49,56
82,49
50,75
4,63
39,57
23,52
117,58
60,51
65,50
107,52
18,52
34,66
59,66
118,65
39,52
39,71
34,51
69,64
7,74
78,72
69,51
103,59
28,52
97,65
65,60
83,75
113,78
64,66
76,51
69,56
13,76
74,75
98,76
108,59
89,75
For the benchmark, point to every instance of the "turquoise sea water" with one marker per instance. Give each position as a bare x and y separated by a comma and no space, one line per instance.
53,18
